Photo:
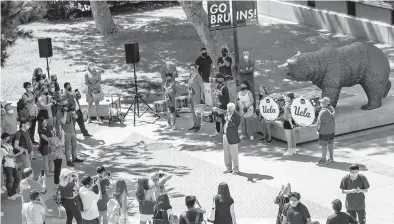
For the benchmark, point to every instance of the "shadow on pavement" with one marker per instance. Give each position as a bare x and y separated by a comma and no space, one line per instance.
253,177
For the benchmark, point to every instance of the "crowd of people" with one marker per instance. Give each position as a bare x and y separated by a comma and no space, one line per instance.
57,111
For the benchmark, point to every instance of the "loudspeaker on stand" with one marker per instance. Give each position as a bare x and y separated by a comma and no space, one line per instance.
45,47
132,53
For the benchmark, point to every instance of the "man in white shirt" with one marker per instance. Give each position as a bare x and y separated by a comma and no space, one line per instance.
90,213
34,212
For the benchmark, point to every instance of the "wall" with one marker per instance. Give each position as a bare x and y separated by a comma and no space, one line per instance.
324,16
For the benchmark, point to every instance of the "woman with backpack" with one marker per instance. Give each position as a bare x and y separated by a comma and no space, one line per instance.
117,207
146,200
163,213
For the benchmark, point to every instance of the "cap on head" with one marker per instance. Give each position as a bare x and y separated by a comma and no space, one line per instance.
325,100
219,76
224,50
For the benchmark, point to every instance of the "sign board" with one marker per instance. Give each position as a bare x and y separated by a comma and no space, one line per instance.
245,13
208,94
221,15
302,112
269,109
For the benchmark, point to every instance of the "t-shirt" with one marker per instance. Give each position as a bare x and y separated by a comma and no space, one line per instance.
356,201
33,212
24,140
204,67
89,201
296,215
27,186
68,190
43,101
5,150
327,119
223,97
9,124
191,215
68,127
102,204
341,218
225,70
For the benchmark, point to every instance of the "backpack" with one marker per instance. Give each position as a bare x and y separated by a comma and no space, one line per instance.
20,105
58,197
161,217
196,220
113,211
78,202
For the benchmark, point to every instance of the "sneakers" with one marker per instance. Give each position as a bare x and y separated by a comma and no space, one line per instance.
173,127
288,153
214,134
12,198
322,162
69,163
236,172
76,160
18,195
242,137
269,141
251,138
227,171
197,129
330,160
294,150
168,126
192,128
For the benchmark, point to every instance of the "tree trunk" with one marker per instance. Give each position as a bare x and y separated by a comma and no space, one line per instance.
102,17
212,40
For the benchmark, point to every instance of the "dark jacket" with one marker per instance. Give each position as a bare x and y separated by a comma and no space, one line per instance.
223,97
232,129
341,218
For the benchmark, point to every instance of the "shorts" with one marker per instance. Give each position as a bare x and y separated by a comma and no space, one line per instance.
171,109
287,125
323,139
145,217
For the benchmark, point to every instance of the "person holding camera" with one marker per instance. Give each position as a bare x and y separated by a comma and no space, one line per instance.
23,143
28,184
104,183
159,179
89,198
66,118
69,187
74,98
35,211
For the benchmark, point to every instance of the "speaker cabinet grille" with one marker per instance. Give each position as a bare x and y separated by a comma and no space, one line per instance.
132,53
45,47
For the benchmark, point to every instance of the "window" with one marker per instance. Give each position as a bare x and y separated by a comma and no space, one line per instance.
312,4
351,8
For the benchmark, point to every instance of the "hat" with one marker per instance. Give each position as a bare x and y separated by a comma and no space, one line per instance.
224,50
325,100
219,76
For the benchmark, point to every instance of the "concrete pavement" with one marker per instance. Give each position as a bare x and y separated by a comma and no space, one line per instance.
196,162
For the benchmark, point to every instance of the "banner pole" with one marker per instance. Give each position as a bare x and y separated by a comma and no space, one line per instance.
235,36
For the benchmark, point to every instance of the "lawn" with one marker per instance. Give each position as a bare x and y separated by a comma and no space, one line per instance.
159,33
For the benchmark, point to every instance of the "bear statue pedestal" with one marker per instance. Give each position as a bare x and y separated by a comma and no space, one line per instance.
348,118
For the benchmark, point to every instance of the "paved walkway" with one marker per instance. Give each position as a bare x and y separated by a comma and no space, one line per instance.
196,162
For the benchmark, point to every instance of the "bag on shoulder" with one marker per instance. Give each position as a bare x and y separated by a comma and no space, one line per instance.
58,197
196,220
78,202
161,217
113,211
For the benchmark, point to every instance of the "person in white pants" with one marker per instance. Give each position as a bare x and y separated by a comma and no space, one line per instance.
231,139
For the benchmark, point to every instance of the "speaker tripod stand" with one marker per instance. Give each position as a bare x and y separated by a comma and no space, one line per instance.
135,104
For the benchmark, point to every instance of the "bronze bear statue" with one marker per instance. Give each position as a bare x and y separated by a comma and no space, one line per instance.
331,68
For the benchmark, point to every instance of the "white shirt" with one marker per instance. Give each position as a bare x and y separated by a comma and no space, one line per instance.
5,150
33,213
89,201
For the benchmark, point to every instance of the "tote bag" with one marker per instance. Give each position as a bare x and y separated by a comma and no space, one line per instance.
211,215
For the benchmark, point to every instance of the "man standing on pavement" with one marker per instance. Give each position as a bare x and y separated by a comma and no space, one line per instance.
231,139
70,139
295,212
355,185
76,96
246,70
204,63
326,130
340,217
22,142
9,124
225,63
29,99
28,184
